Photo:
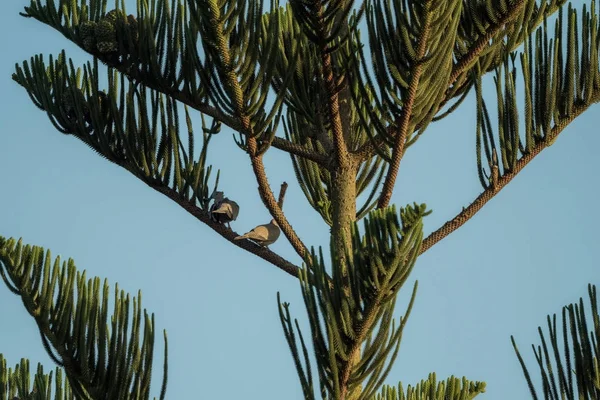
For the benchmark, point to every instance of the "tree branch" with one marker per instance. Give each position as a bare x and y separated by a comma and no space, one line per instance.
367,150
266,194
228,234
236,94
398,151
300,151
207,109
468,212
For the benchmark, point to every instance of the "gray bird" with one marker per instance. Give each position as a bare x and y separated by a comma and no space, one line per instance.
223,210
263,235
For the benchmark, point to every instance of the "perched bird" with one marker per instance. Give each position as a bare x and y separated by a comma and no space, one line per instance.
263,235
223,210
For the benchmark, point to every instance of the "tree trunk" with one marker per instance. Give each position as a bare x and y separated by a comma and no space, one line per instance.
343,198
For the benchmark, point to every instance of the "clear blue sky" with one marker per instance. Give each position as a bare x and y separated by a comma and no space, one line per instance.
529,251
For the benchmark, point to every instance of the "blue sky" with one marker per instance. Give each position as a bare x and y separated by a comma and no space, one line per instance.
525,255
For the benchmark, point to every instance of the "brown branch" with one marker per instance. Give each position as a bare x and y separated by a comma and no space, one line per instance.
228,234
468,212
398,151
266,194
236,94
339,143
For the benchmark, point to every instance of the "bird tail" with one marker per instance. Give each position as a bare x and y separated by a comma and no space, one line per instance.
240,237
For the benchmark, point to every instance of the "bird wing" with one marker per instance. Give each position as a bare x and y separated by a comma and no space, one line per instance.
229,208
261,232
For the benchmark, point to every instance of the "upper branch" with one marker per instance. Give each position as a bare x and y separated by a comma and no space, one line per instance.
468,212
401,135
463,64
483,42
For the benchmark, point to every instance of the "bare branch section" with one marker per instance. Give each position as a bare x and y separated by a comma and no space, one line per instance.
488,194
247,245
269,201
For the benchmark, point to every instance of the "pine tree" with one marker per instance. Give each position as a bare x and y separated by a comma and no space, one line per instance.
346,122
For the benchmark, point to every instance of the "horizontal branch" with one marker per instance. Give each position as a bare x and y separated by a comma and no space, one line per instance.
468,212
228,234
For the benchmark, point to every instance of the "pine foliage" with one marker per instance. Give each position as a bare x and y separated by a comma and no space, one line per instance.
574,374
451,389
131,126
15,384
558,86
347,121
72,315
360,307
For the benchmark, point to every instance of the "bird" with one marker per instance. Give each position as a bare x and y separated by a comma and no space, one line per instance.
223,210
263,235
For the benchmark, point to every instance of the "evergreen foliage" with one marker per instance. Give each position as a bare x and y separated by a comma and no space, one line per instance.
347,121
71,313
14,384
574,374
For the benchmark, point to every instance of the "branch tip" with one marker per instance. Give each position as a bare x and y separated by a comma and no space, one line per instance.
282,191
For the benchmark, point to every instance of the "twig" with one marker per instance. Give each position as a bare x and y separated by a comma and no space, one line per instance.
282,191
